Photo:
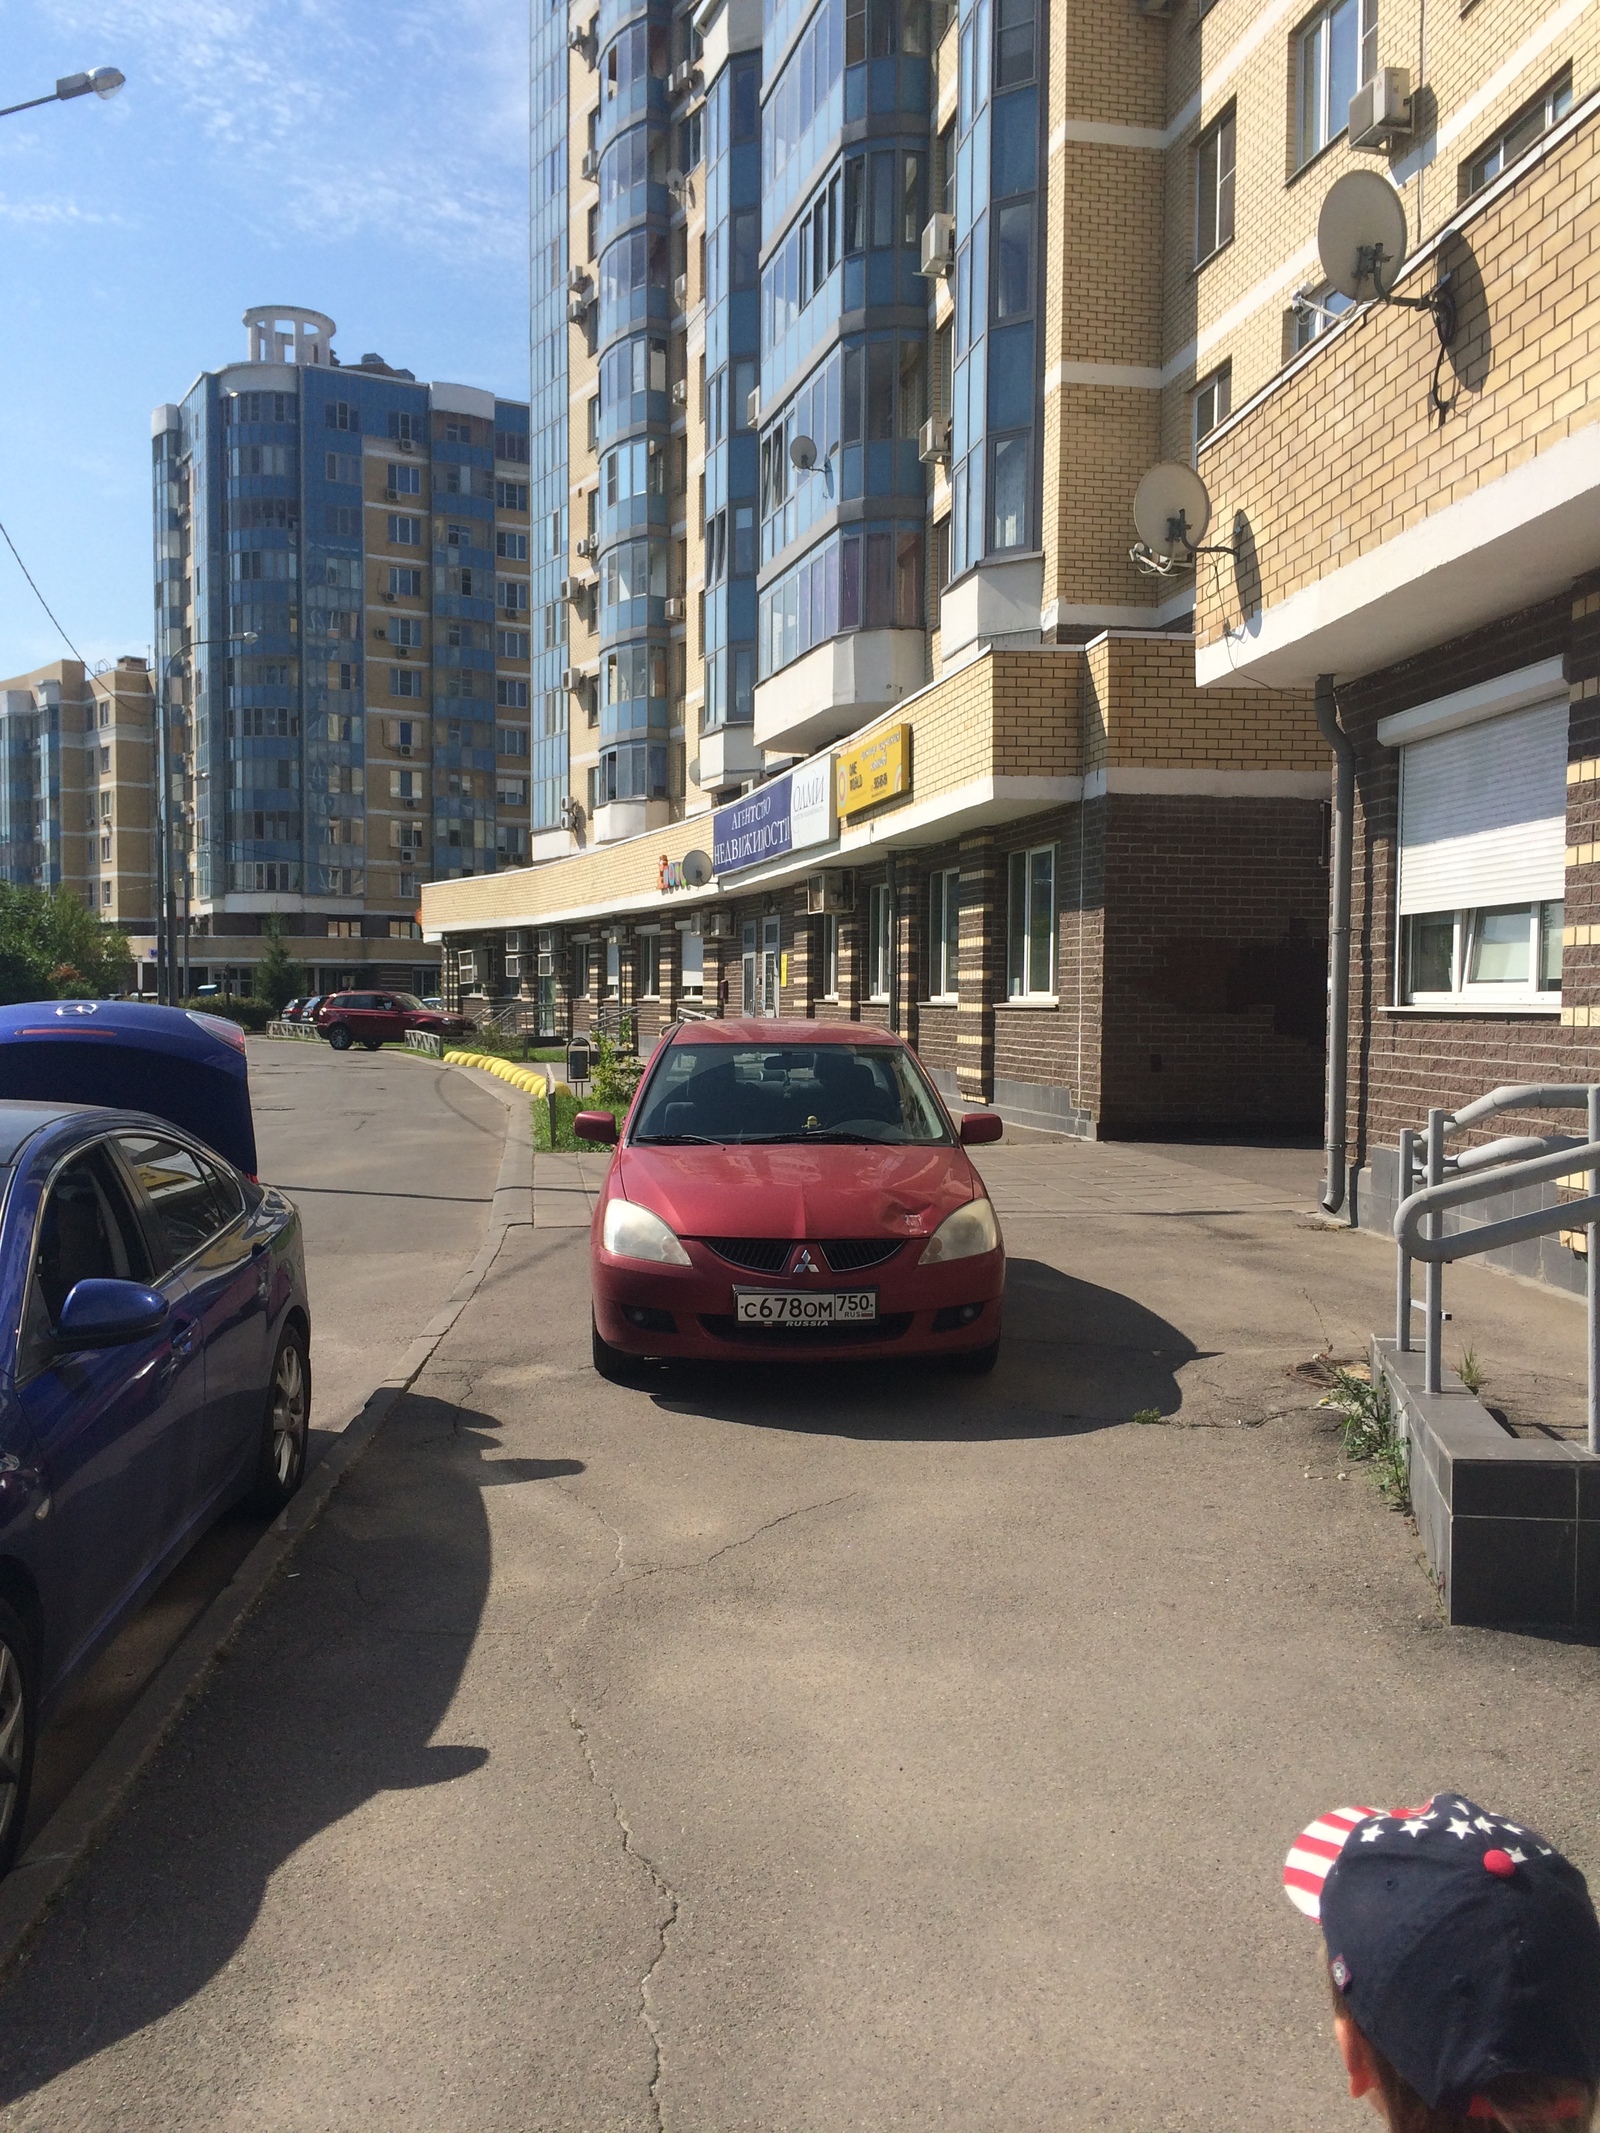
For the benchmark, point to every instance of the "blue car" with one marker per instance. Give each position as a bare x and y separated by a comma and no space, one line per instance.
154,1332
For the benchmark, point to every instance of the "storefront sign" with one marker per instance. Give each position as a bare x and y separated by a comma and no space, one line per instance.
787,815
878,769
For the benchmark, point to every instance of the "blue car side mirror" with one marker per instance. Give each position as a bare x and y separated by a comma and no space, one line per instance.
107,1314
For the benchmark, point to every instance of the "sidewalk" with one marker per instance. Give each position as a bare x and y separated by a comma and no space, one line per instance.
785,1751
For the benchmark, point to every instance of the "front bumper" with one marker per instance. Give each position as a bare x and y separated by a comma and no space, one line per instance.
690,1312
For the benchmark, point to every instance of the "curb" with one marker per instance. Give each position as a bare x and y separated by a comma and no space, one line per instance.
84,1818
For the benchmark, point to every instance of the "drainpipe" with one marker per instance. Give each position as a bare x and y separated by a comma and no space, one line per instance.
892,898
1333,1189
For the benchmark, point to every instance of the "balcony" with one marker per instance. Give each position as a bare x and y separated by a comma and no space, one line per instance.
837,687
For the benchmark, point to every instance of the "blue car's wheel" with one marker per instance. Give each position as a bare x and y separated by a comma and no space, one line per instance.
285,1428
17,1730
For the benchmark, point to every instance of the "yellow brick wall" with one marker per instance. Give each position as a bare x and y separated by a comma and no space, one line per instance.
1143,711
1346,453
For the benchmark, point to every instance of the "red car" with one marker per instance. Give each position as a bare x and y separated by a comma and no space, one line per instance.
792,1189
374,1018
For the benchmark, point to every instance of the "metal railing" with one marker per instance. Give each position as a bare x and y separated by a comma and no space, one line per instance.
425,1040
1483,1173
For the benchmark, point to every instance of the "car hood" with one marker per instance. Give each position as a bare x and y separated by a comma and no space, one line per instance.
790,1191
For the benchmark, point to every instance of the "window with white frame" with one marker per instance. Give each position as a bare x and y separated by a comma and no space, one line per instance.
878,943
1031,924
1213,401
1213,188
827,940
650,966
1335,52
1482,863
1514,139
944,933
693,963
1313,312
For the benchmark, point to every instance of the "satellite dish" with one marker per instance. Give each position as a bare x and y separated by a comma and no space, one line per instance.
802,454
1361,234
696,869
674,181
1171,509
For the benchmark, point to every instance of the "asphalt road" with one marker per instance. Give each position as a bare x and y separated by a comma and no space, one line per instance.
785,1753
392,1163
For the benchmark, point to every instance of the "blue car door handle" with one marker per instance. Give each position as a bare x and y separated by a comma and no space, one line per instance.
185,1332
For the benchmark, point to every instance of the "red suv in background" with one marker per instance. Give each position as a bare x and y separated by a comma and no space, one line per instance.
373,1018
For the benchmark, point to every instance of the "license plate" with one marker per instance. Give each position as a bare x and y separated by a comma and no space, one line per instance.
805,1307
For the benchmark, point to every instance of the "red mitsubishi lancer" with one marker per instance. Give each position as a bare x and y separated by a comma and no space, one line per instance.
792,1189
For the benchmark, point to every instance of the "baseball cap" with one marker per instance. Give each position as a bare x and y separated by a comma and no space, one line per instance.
1465,1947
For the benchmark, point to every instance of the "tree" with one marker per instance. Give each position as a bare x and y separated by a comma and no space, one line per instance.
52,948
279,978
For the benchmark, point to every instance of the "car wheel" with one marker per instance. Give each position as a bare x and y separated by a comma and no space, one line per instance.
339,1038
18,1705
614,1364
281,1463
977,1362
372,1044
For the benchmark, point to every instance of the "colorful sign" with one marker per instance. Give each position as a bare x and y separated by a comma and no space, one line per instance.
787,814
878,769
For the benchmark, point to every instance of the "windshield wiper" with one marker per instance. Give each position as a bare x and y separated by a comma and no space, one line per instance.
821,1133
671,1140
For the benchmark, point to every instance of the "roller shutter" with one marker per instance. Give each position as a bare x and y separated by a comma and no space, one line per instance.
1483,813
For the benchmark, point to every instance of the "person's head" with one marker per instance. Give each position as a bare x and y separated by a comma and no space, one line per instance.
1464,1957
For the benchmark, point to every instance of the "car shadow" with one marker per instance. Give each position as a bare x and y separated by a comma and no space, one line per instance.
1074,1358
331,1694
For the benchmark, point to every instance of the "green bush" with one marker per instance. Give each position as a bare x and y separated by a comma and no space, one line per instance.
616,1075
53,948
1367,1426
249,1014
558,1113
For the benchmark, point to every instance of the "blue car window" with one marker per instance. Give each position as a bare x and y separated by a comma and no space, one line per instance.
86,1232
182,1192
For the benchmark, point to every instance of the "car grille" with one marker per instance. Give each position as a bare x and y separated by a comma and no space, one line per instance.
770,1255
888,1328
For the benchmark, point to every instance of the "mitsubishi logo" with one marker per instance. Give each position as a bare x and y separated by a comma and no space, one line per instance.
803,1263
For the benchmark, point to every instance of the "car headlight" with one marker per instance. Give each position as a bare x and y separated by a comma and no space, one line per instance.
630,1232
970,1231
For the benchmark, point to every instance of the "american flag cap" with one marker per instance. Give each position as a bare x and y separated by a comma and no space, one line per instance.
1313,1853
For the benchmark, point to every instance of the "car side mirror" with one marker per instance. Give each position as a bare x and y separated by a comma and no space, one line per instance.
598,1126
981,1126
108,1314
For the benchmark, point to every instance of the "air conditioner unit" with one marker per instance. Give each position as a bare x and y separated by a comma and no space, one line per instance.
654,448
577,310
580,37
402,748
380,631
513,966
1380,111
681,80
716,926
578,278
680,291
590,165
674,608
752,407
571,680
587,544
387,596
830,893
680,392
570,589
406,444
933,446
939,245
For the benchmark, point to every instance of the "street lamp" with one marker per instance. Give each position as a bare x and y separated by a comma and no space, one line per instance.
104,81
166,900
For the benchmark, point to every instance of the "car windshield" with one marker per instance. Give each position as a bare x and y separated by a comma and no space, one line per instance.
407,1000
739,1094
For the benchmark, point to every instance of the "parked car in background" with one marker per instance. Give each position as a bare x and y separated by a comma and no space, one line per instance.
154,1333
373,1018
792,1189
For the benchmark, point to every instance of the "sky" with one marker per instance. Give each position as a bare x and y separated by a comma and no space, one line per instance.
364,158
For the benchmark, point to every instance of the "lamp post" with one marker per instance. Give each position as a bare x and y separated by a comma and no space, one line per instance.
103,81
167,966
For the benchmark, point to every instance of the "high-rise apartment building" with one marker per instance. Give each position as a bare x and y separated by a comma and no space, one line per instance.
342,561
879,313
77,789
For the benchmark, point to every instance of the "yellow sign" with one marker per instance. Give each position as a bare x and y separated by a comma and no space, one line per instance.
879,769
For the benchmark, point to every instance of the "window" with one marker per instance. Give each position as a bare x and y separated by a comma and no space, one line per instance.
1312,313
511,695
105,807
511,644
340,415
827,950
406,785
1335,53
1213,399
405,532
342,466
405,681
511,596
650,966
510,741
405,428
1511,141
880,945
1497,955
105,892
191,1200
512,445
511,495
404,481
514,546
1031,924
1213,188
343,520
87,1233
105,761
944,933
405,584
511,792
694,962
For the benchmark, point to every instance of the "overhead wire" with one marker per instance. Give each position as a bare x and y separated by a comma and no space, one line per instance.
43,602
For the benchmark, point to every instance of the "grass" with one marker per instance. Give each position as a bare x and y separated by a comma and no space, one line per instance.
1370,1438
1470,1371
558,1114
